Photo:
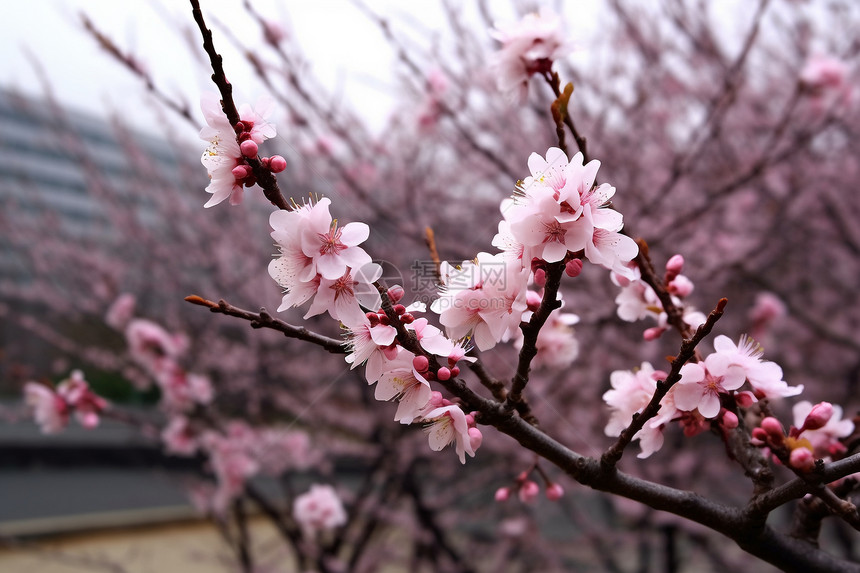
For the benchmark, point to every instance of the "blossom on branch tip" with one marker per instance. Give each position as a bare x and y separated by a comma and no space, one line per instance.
528,46
51,408
224,154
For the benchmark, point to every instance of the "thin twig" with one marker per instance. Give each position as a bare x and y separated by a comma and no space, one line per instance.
611,457
263,319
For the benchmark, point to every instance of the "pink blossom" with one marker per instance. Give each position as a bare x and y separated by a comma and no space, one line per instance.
179,437
319,509
631,391
824,73
765,377
152,347
343,297
368,344
331,248
87,405
529,46
556,342
223,155
484,298
50,411
448,424
401,380
121,311
825,440
702,383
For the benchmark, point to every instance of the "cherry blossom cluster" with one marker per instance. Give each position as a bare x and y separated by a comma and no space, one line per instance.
238,452
816,434
709,391
323,263
230,146
637,300
528,46
158,353
557,214
52,408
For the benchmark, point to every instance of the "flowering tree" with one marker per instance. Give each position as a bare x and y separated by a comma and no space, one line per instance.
697,148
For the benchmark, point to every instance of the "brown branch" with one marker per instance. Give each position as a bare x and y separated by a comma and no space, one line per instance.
265,178
264,320
548,303
611,457
430,240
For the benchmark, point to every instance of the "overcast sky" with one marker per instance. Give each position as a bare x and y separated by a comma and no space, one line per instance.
344,47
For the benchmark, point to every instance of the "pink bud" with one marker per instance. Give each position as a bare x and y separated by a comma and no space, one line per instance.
653,333
554,492
248,148
680,286
819,416
443,374
395,293
420,363
745,399
529,490
759,434
239,127
675,264
373,318
407,318
277,164
801,459
455,371
502,494
240,172
475,438
399,309
540,277
533,300
773,428
573,268
729,420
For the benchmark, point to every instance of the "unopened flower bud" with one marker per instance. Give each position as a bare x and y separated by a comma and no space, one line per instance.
773,428
729,420
529,490
277,164
680,286
745,399
533,300
801,459
759,434
249,148
240,172
554,492
373,318
818,417
573,268
395,293
443,374
455,371
420,363
407,318
540,277
675,264
653,333
475,438
502,494
399,309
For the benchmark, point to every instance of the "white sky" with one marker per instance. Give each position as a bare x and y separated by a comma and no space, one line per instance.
345,49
